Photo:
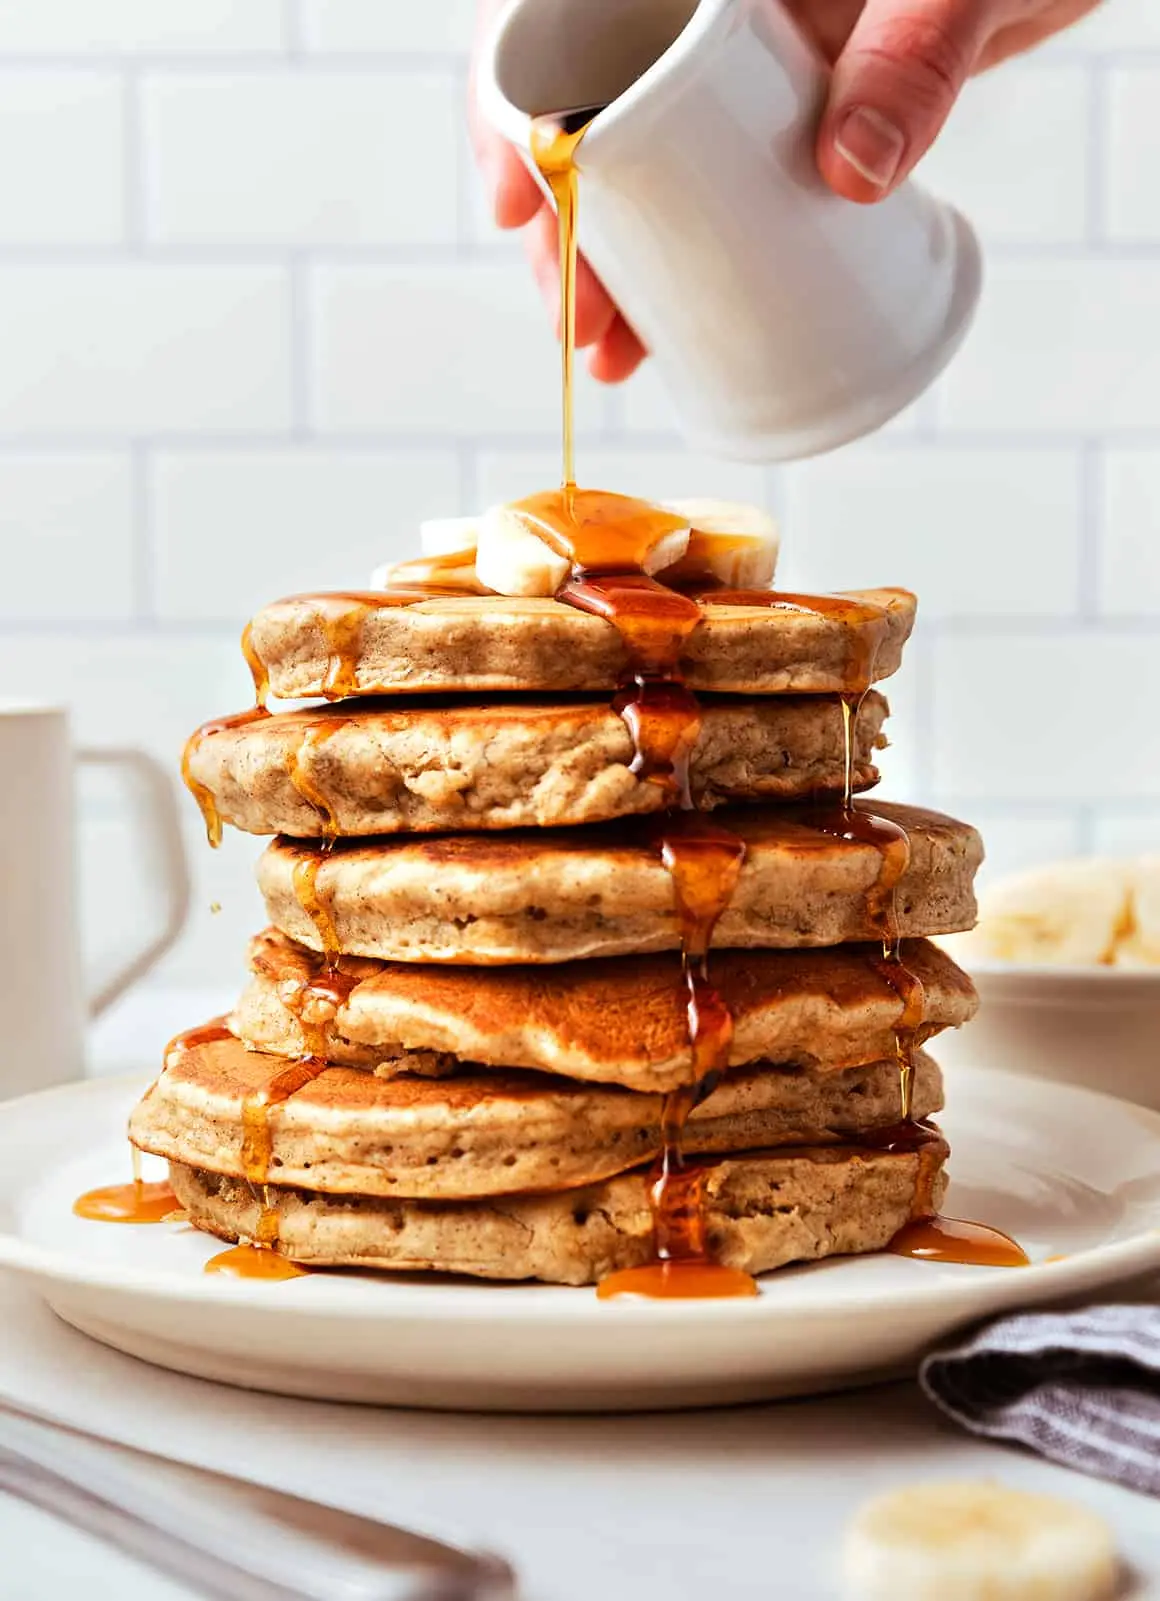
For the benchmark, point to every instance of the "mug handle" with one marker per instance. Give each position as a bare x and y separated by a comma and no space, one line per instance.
157,805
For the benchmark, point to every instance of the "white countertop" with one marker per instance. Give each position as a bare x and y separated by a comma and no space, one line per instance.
737,1504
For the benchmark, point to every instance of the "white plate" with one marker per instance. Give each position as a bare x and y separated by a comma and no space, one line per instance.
1067,1172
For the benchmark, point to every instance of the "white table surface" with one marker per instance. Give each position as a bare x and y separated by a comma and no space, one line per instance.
734,1504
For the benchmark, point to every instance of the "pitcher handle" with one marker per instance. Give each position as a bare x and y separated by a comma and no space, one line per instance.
159,814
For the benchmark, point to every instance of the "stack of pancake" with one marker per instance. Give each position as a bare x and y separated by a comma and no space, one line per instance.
466,1020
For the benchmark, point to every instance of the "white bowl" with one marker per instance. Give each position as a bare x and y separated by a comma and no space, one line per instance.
1094,1026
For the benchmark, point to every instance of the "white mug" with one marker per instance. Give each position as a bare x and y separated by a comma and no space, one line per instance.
43,1001
784,320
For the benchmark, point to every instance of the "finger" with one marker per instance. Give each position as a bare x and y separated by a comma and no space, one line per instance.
512,192
595,310
514,195
893,87
828,23
1017,37
618,354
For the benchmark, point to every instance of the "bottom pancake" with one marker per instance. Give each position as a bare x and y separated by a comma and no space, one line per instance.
484,1132
763,1211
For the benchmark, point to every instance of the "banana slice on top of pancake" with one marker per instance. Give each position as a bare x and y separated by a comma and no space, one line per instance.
717,541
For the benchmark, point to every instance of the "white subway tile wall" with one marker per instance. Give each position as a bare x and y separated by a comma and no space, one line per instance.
254,325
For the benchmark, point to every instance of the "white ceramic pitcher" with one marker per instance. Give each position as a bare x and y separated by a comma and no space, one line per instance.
43,1004
784,320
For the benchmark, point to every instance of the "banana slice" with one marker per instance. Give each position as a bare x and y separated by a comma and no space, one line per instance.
737,545
1067,914
1140,945
449,536
513,560
978,1542
455,571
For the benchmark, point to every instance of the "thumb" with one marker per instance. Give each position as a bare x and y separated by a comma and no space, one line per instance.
893,86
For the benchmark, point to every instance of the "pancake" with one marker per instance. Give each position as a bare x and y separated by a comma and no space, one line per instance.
606,1021
763,1212
552,896
483,643
489,1133
422,766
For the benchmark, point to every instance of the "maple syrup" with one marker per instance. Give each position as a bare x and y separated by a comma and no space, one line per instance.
609,541
315,1002
950,1239
254,1262
257,668
308,864
342,615
679,1280
135,1202
262,1259
215,1032
555,142
203,796
929,1236
866,625
315,736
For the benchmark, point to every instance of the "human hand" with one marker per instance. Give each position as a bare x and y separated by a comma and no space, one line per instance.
899,66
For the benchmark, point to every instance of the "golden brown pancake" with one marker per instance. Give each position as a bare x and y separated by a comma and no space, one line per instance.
763,1211
555,895
616,1021
421,766
481,644
489,1133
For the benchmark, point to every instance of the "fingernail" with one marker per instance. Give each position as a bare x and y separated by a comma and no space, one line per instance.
871,144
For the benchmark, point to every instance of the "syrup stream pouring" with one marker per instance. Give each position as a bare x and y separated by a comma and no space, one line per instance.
229,1539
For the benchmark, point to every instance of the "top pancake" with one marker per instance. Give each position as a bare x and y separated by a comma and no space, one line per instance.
356,644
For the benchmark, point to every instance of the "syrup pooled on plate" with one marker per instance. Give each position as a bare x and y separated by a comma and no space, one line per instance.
929,1236
254,1262
135,1202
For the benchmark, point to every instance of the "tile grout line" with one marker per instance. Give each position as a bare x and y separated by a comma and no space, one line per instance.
469,491
300,334
466,242
144,549
293,29
1086,821
1091,534
492,251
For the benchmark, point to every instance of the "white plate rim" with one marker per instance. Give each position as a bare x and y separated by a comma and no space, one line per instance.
1116,1262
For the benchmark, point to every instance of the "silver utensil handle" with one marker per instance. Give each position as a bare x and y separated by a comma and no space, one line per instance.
227,1539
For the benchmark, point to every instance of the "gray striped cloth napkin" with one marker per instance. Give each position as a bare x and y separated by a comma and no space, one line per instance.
1082,1388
